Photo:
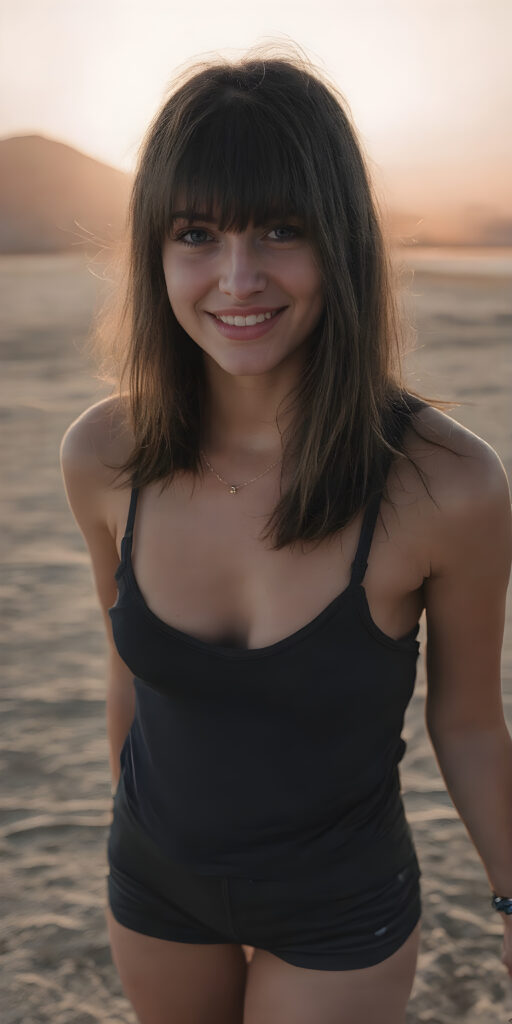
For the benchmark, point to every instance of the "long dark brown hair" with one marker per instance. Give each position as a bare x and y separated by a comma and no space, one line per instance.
255,139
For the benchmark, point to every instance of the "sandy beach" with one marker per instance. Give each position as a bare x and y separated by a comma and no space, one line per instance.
55,802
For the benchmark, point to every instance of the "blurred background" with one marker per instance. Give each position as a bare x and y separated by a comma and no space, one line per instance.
429,88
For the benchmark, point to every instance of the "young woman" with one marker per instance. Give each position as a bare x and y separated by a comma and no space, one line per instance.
268,512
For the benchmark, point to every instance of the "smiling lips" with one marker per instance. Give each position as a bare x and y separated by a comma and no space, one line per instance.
255,322
248,317
246,321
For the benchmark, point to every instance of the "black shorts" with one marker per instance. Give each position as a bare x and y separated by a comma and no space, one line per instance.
309,923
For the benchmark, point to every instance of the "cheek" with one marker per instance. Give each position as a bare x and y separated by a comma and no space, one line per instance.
182,286
307,281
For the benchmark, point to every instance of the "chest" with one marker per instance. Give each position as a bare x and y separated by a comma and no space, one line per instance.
202,567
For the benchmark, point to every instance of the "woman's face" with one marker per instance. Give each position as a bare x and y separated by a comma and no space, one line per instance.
265,269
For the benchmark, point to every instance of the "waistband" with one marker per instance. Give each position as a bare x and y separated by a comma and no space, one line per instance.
374,860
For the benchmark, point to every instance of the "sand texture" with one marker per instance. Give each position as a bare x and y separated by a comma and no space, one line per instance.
55,801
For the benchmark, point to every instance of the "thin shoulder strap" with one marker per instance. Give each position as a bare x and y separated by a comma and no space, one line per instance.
360,562
126,543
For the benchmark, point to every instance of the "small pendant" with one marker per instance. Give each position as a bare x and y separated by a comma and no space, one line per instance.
232,490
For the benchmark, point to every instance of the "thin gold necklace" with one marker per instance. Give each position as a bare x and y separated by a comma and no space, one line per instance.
232,488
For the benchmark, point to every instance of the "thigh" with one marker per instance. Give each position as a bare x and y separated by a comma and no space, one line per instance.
169,933
154,896
178,982
278,991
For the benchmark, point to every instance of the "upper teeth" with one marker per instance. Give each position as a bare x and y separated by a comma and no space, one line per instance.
246,321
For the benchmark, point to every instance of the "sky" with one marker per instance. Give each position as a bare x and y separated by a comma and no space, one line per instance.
428,82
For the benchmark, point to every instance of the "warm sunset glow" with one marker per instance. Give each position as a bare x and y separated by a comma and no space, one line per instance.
428,82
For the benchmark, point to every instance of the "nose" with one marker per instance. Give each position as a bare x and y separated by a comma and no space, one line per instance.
241,273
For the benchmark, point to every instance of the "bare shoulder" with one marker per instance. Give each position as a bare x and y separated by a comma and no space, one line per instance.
100,432
469,500
461,468
92,449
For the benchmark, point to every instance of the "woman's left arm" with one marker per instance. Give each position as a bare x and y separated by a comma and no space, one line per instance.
465,597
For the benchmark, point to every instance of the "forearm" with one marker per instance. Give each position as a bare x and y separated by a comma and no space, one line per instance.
477,769
120,709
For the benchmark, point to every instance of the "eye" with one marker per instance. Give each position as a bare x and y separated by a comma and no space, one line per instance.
290,230
193,231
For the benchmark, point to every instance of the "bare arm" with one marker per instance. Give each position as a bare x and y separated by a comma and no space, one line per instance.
86,491
465,607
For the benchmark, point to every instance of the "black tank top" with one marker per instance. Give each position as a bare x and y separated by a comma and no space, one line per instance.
276,761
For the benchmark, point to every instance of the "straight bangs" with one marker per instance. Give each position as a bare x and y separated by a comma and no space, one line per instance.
239,165
263,142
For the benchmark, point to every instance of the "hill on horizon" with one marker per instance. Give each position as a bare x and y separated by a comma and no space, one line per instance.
54,198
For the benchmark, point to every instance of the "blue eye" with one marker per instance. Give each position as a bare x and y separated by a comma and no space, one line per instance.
293,231
193,231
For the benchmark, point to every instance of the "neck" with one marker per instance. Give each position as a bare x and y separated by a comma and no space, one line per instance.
245,416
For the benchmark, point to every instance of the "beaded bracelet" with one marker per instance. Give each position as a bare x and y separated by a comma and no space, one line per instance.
501,903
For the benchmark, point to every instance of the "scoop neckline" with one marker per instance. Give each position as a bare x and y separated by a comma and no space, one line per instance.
406,643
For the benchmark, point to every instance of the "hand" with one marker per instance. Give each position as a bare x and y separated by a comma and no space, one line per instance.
506,949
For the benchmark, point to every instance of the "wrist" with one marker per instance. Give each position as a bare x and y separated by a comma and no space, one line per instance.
502,904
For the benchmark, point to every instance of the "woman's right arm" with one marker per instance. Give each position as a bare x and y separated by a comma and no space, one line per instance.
87,492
